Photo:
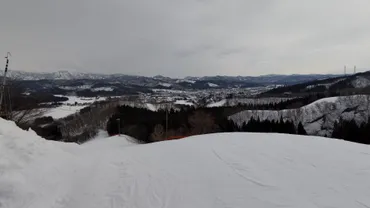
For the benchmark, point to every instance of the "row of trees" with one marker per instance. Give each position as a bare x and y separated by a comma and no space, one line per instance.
350,131
148,126
280,126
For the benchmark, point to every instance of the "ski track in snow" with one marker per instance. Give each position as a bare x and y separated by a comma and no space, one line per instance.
216,170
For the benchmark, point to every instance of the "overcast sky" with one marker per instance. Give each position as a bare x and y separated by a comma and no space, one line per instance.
186,37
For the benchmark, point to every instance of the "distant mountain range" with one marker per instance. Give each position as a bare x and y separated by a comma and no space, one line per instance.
90,84
344,85
214,81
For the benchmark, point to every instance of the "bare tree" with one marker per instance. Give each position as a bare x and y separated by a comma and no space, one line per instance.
158,133
27,116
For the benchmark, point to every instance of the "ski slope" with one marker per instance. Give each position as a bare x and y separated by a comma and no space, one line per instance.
209,171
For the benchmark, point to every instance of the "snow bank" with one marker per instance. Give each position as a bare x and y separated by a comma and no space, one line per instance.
216,170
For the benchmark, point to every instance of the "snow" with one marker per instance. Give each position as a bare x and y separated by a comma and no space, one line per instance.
83,100
185,80
318,118
217,104
108,89
80,87
326,85
212,85
216,170
63,111
324,100
360,82
68,107
256,101
165,84
151,107
183,102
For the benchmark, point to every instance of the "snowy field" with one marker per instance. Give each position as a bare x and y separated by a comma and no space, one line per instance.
68,107
210,171
81,100
63,111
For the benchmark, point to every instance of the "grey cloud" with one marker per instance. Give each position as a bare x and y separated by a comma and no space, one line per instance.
180,38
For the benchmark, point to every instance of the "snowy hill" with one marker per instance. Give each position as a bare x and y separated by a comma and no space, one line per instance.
358,83
215,171
317,118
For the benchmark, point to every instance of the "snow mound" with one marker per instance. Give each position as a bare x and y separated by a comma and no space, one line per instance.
216,170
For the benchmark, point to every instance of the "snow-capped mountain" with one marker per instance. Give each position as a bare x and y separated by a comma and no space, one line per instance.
59,75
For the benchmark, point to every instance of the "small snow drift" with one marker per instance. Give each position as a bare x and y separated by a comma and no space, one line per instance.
215,171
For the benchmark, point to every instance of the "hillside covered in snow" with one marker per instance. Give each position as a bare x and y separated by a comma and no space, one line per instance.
216,170
318,118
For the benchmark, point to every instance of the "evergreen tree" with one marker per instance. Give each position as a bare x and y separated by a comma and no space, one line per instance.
301,130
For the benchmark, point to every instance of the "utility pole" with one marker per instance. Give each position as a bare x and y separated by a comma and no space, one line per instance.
354,69
345,70
166,123
5,102
168,106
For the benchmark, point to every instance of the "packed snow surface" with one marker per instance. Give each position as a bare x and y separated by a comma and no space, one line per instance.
209,171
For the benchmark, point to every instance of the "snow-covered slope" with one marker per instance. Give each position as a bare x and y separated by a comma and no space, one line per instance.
360,82
217,104
317,118
215,171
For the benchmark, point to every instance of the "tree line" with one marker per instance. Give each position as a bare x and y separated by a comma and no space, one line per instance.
351,131
148,126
